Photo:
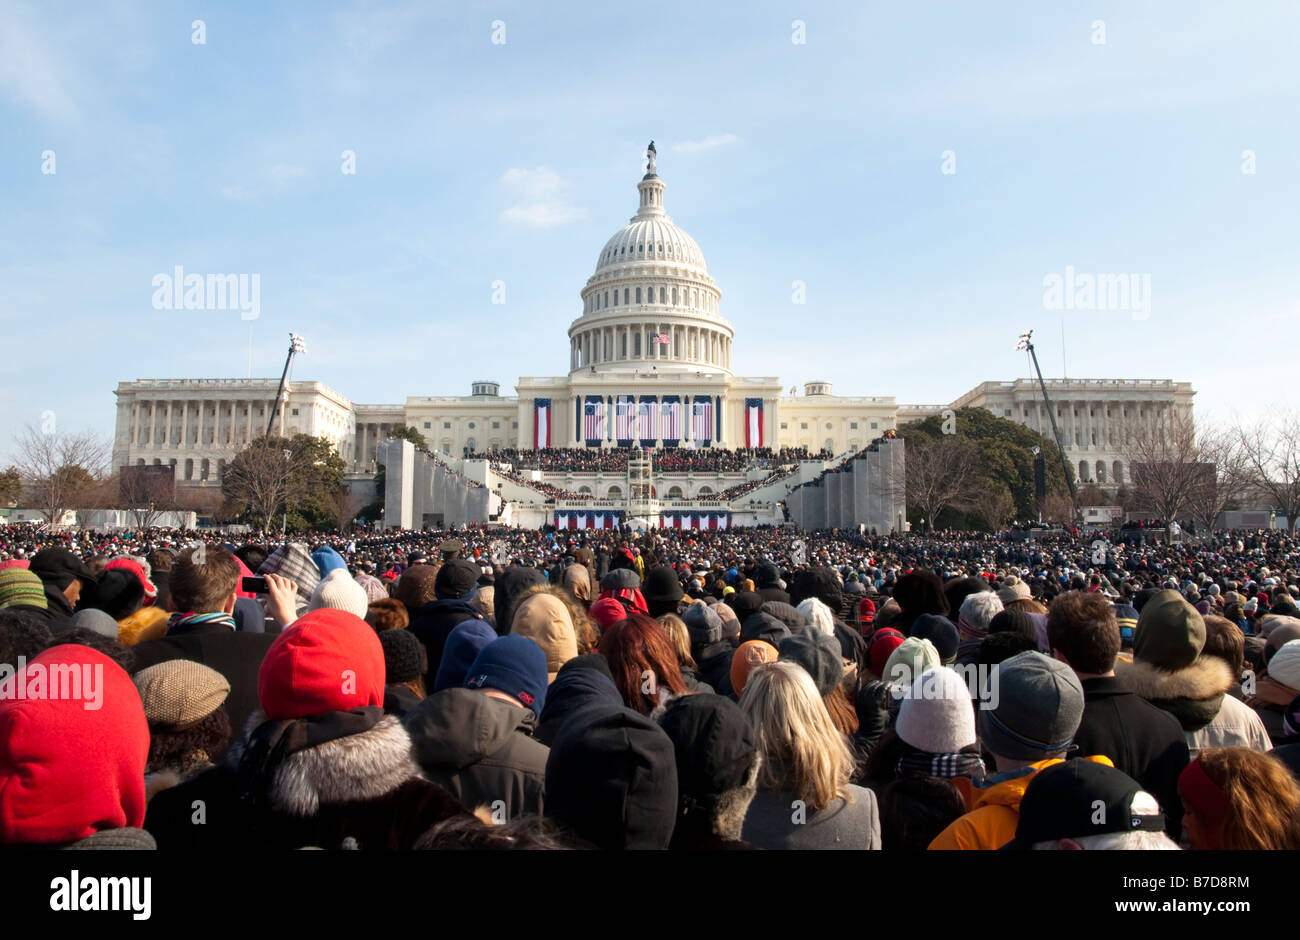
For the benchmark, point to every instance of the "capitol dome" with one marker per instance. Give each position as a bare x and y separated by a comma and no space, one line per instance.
651,284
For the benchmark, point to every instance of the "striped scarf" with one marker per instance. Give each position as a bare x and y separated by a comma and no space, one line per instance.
968,632
177,620
963,763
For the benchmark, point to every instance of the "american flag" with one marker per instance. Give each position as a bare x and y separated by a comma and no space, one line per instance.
624,416
672,421
702,421
645,421
660,339
593,420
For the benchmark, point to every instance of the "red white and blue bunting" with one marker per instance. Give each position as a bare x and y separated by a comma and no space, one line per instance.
695,520
604,519
541,422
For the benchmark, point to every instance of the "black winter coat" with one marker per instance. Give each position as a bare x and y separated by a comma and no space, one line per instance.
714,661
480,750
237,656
1144,741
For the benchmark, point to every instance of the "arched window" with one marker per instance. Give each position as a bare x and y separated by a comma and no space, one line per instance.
471,444
674,492
638,295
1101,471
704,491
1117,472
1083,472
830,445
663,291
614,492
584,491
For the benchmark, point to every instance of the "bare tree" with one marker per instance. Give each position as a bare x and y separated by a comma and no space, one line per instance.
274,473
1226,476
59,469
1059,509
147,493
1271,454
940,473
1165,464
345,505
261,477
996,506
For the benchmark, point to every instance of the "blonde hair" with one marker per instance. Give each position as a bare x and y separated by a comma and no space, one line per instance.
675,627
802,751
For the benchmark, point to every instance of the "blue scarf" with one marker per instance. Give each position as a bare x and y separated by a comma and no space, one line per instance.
178,620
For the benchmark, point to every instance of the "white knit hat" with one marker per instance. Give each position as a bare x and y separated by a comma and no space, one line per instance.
1285,664
338,591
818,614
913,656
937,715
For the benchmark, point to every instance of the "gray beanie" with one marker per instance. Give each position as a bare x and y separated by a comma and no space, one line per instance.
90,618
819,655
704,624
1039,704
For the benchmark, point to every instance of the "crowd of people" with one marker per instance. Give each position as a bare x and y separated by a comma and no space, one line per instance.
759,688
666,459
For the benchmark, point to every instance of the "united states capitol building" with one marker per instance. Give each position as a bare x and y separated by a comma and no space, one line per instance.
650,363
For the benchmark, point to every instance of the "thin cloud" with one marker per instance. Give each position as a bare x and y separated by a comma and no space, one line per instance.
540,198
708,143
278,177
30,73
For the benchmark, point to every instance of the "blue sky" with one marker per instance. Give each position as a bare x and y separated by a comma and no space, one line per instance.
475,161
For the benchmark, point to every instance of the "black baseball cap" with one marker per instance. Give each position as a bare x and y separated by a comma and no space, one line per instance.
456,578
60,567
1082,797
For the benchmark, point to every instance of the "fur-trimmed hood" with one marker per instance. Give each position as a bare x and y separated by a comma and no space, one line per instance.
354,768
1193,694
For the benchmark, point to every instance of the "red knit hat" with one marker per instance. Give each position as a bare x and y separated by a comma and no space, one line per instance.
70,767
326,661
607,612
866,611
883,642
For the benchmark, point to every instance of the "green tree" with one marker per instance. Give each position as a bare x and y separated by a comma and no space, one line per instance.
1004,467
11,486
408,433
302,474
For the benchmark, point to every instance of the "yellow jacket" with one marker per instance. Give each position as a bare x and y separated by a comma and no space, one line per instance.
994,809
